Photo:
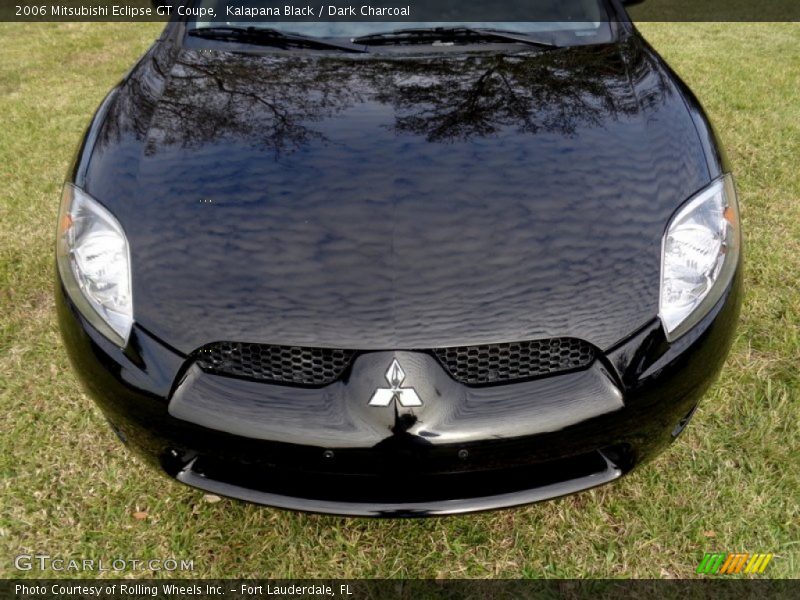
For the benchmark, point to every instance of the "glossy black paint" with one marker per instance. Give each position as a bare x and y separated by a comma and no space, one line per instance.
396,202
382,202
660,384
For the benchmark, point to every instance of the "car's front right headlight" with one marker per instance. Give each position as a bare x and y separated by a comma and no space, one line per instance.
700,252
94,264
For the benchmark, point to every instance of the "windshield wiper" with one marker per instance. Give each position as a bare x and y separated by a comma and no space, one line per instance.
262,36
447,34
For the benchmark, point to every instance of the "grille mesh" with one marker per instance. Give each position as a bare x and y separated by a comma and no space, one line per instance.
470,365
280,364
493,363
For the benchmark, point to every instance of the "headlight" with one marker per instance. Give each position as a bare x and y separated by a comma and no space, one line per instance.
699,256
94,263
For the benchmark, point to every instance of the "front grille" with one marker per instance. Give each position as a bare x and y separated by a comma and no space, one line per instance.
470,365
495,363
279,364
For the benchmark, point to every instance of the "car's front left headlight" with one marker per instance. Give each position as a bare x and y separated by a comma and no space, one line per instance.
700,252
94,263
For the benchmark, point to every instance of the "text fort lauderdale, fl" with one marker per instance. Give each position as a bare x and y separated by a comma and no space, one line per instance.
206,589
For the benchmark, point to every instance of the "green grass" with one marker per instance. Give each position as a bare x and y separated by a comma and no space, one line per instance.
730,484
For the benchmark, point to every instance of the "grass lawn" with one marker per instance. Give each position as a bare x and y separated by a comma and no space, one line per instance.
732,482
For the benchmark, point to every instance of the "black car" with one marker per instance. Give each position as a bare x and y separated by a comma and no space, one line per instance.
399,269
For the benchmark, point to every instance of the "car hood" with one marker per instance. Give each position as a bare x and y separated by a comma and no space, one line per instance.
379,202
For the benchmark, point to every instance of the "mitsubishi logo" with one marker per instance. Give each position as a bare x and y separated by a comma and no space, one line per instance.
404,396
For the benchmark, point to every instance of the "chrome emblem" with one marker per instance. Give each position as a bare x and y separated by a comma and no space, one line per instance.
404,396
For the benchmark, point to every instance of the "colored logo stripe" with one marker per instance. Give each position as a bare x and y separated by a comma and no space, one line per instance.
711,563
735,562
758,563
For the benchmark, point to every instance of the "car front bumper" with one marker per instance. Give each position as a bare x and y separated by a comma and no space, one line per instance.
466,449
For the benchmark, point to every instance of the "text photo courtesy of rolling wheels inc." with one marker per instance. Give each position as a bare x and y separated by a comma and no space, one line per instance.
482,300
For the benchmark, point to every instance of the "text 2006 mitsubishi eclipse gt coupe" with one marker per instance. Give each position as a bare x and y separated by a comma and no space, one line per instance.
399,269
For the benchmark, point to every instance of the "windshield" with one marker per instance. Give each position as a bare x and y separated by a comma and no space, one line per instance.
561,22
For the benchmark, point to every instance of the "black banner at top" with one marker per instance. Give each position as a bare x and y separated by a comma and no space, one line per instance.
407,11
